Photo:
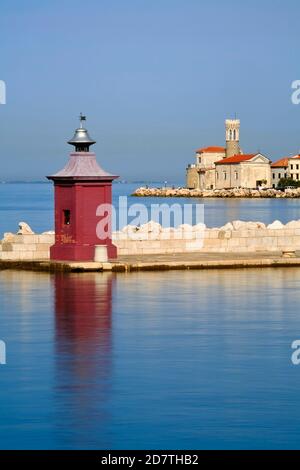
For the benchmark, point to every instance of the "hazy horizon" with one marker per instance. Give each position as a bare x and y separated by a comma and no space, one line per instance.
156,81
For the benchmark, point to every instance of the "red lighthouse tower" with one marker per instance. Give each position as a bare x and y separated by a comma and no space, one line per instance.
81,188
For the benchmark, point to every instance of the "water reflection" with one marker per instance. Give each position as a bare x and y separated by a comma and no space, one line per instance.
165,360
83,323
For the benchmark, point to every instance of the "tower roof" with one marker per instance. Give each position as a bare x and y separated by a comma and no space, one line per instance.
82,164
81,136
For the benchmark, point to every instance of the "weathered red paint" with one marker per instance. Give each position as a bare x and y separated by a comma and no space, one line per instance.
80,191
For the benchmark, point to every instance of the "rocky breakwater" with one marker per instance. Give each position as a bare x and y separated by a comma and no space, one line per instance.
222,193
26,245
234,237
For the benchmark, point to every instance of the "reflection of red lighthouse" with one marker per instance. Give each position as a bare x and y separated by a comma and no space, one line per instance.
83,304
80,188
83,338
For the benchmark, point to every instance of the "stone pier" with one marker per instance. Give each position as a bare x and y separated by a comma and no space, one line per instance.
152,247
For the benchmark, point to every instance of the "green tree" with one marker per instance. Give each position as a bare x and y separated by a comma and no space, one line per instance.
285,182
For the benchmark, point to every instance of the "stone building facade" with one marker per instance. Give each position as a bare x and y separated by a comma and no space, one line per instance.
279,170
243,171
227,167
287,167
294,168
202,173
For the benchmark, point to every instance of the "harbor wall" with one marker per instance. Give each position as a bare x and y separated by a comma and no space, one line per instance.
241,237
29,247
151,238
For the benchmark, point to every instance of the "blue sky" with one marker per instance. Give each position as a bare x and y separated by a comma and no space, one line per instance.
156,79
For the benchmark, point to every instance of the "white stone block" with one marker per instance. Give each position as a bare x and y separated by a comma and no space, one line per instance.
239,225
46,238
284,241
27,255
287,232
276,225
101,254
294,224
10,255
227,226
23,248
244,233
195,245
27,239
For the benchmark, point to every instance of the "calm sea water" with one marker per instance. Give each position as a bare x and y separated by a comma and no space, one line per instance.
148,360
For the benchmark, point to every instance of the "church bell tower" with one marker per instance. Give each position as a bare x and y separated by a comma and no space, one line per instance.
232,137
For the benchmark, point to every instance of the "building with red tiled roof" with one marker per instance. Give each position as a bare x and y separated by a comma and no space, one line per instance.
286,167
214,149
227,167
243,171
282,163
294,168
201,174
236,159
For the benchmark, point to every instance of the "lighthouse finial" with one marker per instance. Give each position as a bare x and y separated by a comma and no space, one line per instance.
81,139
81,119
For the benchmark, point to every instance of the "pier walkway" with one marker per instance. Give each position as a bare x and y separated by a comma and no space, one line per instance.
160,262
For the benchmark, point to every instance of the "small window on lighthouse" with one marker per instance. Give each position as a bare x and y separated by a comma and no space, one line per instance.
67,217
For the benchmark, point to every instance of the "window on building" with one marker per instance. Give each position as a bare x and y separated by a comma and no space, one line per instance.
273,176
285,175
236,175
67,216
292,167
217,175
279,175
224,175
297,176
297,167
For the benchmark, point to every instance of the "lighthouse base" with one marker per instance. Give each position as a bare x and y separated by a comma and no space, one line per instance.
73,252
